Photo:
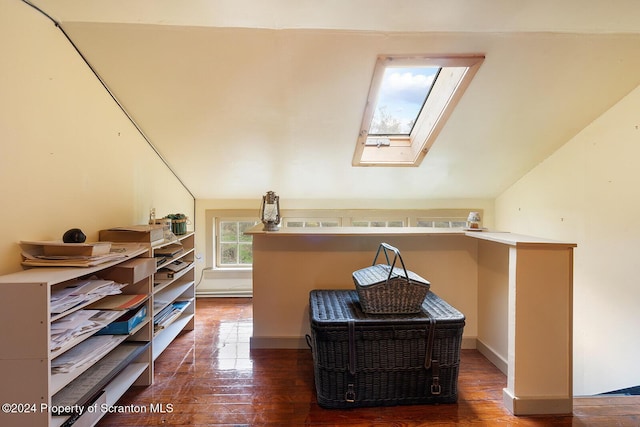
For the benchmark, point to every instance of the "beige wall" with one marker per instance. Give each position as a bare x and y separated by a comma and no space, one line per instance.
587,192
288,265
68,155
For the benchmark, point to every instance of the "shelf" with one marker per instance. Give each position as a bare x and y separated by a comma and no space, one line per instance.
53,275
83,388
160,284
180,287
165,336
74,309
80,338
109,396
173,314
166,261
60,380
169,295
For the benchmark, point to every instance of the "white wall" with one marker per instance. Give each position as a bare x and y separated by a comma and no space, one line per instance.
588,192
69,157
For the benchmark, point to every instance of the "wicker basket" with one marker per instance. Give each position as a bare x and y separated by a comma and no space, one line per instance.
386,289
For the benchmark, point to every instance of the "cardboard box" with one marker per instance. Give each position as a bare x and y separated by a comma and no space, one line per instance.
125,323
131,271
148,234
122,302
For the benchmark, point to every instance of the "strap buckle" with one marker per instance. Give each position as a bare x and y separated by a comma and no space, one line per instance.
350,395
435,386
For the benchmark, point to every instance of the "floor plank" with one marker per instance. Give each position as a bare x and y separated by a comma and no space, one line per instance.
210,377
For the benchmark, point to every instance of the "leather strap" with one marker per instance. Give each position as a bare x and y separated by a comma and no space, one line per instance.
431,332
352,346
350,394
429,362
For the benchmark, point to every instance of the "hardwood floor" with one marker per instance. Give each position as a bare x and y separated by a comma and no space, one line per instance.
209,377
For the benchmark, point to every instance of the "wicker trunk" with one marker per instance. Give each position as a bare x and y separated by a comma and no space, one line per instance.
377,360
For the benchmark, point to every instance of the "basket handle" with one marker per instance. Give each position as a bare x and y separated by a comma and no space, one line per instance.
385,247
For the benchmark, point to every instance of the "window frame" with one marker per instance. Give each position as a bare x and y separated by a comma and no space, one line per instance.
453,79
238,242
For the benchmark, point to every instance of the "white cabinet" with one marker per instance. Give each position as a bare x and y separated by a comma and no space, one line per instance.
34,394
33,391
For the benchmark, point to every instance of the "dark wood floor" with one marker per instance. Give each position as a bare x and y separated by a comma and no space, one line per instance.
209,377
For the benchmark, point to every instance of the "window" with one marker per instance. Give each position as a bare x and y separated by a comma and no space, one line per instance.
234,247
441,222
410,99
232,251
311,222
377,222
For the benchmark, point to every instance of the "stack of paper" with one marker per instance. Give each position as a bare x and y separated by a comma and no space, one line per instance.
55,253
77,324
86,353
81,291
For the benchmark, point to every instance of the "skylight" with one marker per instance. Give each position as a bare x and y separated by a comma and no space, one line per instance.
401,95
409,101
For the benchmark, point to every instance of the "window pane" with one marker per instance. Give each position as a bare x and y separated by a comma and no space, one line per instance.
395,224
228,231
245,253
244,226
228,253
360,223
312,222
329,224
402,94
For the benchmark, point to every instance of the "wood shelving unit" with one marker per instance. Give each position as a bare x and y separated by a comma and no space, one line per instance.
36,392
180,287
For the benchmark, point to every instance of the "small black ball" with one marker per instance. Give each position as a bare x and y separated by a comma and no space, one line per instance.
75,235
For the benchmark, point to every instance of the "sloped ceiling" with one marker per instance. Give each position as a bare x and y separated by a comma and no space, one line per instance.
241,97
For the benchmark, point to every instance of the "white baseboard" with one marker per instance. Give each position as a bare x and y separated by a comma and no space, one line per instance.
493,356
278,342
224,293
537,405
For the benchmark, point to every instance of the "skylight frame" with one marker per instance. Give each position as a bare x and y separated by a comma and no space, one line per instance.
397,150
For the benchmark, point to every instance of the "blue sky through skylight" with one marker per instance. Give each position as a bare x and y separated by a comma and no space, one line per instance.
400,98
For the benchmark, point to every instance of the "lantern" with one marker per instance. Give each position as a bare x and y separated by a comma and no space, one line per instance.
270,211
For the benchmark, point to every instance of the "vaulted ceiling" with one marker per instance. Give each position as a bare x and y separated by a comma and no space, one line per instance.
245,96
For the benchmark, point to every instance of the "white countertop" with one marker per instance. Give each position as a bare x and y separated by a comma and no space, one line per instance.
511,239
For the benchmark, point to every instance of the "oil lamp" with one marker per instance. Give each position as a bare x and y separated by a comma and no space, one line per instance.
270,211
